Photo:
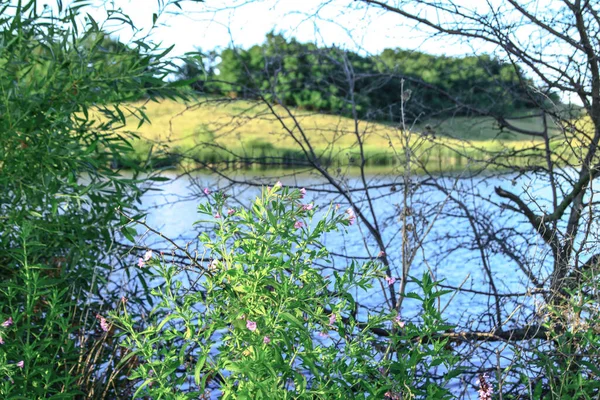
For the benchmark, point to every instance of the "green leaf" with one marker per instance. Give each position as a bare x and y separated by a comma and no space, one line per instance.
198,369
129,233
413,295
291,319
141,388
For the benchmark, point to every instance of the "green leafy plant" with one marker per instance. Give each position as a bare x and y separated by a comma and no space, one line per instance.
62,89
258,318
419,348
565,365
38,334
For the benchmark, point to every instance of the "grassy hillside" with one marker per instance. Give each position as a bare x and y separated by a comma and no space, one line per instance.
212,132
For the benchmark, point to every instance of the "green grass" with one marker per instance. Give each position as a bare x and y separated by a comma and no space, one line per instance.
248,134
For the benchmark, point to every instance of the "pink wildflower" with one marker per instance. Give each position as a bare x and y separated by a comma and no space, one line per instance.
147,255
307,207
251,325
266,340
332,319
21,364
302,193
485,389
217,215
123,299
392,395
399,321
324,334
103,323
298,224
351,215
390,280
1,340
230,212
141,262
381,254
213,265
278,184
8,322
206,191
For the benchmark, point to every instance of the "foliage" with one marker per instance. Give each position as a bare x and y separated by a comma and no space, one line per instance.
38,346
331,80
567,368
263,321
59,195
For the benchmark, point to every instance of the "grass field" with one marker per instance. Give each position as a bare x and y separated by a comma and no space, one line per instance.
248,133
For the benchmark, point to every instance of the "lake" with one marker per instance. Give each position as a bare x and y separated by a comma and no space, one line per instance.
448,251
173,210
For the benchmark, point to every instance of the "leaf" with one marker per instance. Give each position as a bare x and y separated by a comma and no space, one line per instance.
413,295
164,321
440,293
90,149
291,319
142,386
121,115
159,179
233,367
129,233
198,369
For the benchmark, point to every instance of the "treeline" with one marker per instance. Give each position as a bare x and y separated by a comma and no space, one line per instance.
331,80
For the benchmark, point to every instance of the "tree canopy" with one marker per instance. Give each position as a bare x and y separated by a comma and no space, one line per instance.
337,81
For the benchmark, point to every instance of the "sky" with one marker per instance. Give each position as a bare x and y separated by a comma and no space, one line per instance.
215,24
243,23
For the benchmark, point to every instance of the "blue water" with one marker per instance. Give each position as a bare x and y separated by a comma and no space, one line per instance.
447,251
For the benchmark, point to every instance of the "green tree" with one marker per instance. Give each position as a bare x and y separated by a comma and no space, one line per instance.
332,80
63,89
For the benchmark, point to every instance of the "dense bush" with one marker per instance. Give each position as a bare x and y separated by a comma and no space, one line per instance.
59,196
261,321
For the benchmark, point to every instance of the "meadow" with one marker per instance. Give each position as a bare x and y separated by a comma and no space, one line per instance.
226,132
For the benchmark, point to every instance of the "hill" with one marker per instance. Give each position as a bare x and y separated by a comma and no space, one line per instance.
212,131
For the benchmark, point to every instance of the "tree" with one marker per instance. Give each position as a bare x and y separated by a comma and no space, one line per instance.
575,72
65,88
310,77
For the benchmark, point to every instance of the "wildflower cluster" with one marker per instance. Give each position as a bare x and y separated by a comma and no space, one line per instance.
6,324
485,388
143,260
351,216
263,315
263,299
104,325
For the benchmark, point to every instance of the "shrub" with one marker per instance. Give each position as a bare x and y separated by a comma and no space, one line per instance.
59,195
258,318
